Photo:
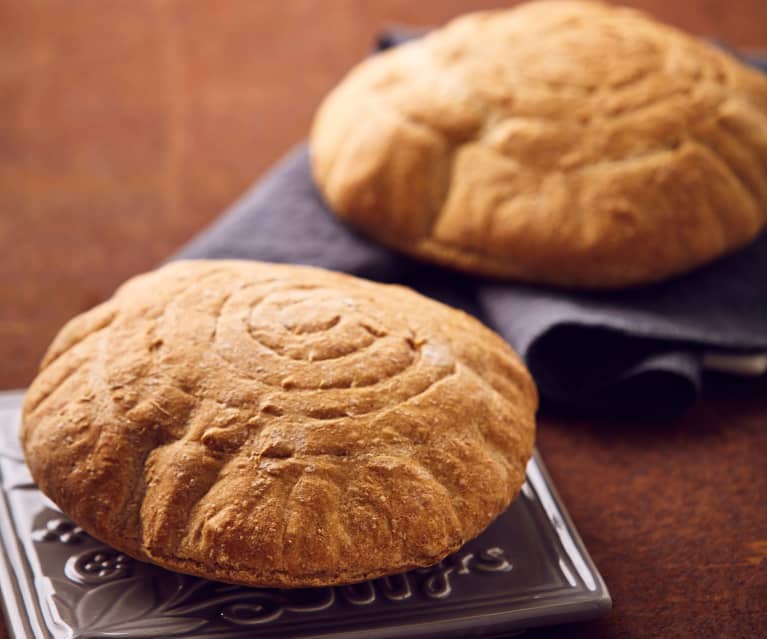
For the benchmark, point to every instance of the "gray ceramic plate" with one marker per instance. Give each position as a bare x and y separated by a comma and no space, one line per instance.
528,569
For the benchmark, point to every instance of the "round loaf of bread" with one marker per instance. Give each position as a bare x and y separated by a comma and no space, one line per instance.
275,425
562,142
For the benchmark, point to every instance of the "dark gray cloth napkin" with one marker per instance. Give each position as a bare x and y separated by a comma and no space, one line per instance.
637,351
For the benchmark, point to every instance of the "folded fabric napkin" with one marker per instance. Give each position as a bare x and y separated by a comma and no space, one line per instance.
633,351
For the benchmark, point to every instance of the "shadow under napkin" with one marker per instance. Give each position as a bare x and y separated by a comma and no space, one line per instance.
636,351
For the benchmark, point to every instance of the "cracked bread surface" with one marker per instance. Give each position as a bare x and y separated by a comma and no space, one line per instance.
559,142
278,426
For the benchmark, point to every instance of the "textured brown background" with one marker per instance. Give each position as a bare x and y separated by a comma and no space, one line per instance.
125,127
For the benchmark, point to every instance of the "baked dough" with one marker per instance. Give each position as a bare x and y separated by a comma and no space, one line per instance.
566,143
275,425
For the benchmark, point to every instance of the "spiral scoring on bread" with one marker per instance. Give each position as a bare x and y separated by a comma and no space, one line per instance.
308,339
278,425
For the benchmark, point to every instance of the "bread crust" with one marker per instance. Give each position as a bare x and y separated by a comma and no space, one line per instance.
561,142
278,426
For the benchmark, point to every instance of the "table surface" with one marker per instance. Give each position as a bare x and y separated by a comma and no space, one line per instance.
126,127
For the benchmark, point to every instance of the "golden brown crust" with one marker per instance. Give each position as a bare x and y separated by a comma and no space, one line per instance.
278,425
561,142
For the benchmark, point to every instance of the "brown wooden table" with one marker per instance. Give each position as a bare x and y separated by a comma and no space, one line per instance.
125,127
